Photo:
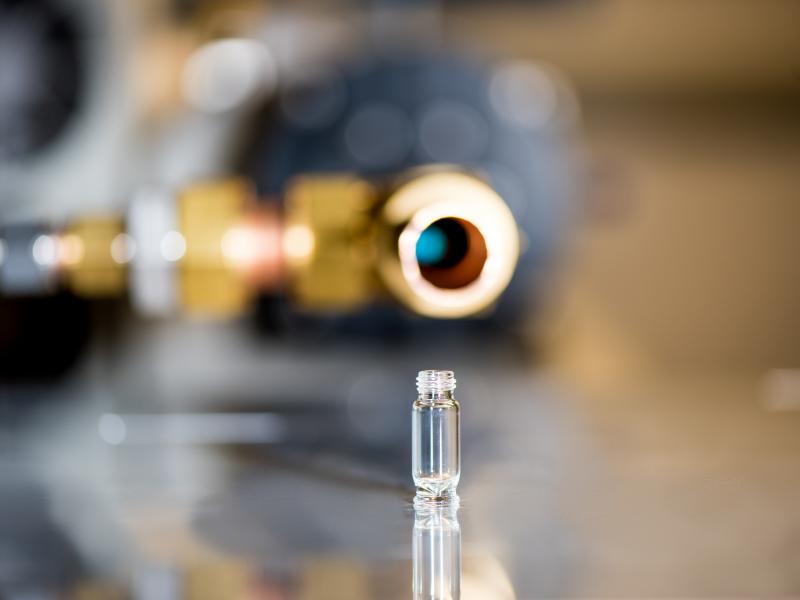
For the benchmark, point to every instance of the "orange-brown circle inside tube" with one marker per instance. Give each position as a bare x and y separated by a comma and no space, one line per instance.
466,256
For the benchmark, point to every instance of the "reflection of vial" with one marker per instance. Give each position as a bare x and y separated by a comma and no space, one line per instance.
436,554
436,446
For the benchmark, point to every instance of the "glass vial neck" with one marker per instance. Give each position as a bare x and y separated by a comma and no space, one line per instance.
436,386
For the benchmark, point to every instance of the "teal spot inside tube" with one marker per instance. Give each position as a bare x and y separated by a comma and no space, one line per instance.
431,246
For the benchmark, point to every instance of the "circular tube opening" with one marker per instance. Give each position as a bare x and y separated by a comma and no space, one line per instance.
451,253
449,245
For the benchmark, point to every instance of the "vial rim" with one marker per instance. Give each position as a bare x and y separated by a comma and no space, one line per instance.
435,381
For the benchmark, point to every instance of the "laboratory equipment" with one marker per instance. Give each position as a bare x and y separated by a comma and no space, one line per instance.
436,444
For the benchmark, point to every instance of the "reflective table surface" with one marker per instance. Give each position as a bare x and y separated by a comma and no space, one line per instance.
260,480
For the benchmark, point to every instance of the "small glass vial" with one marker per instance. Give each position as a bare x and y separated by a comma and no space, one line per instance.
436,440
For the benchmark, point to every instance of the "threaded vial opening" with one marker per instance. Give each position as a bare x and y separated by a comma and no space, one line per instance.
435,382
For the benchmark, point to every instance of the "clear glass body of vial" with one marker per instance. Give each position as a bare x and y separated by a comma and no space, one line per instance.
436,554
436,443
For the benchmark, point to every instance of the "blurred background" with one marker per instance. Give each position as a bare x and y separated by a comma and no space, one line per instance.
232,232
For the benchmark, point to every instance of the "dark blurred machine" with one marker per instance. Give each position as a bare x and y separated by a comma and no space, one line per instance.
325,186
374,183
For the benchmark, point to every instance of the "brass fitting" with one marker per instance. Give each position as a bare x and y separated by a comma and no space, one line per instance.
347,241
93,253
207,213
328,242
441,242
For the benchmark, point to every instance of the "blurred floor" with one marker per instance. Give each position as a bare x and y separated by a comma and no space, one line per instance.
653,486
